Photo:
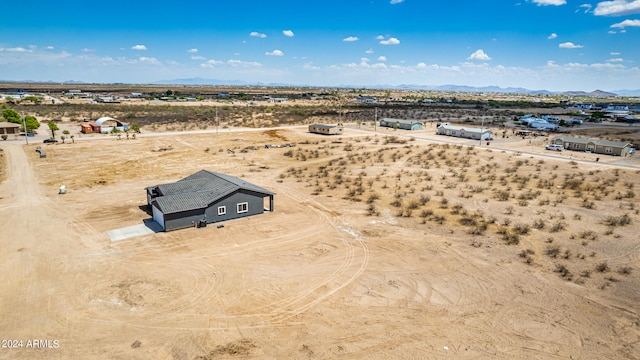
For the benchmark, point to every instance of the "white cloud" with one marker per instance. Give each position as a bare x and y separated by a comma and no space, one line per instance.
626,23
390,41
138,47
88,50
382,58
587,8
49,47
393,2
193,51
615,60
370,51
274,53
310,66
287,33
569,45
211,63
197,57
246,64
614,53
379,37
552,36
149,60
612,32
351,39
15,49
617,8
549,2
479,55
257,34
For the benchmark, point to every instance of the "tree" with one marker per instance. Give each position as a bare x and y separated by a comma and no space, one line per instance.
11,116
53,127
32,123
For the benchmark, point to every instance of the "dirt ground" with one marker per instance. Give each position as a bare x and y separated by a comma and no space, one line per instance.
383,245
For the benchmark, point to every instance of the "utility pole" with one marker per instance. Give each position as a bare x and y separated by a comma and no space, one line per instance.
24,123
481,126
216,119
375,120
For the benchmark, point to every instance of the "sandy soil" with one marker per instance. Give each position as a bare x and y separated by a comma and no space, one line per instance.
320,277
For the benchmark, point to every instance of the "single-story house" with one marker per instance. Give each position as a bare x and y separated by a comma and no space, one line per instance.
205,197
100,126
9,128
464,132
401,124
326,129
366,99
596,146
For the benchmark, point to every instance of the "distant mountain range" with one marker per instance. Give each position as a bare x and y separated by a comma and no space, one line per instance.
451,88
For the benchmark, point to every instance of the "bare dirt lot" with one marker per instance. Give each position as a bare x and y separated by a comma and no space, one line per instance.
383,245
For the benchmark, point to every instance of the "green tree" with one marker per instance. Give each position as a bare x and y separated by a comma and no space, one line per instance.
32,123
34,99
53,127
11,116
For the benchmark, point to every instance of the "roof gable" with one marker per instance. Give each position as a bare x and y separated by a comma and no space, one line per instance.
200,190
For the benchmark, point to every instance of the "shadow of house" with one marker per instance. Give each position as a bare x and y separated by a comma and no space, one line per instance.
205,197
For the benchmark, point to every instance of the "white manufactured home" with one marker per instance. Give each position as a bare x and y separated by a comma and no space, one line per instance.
464,132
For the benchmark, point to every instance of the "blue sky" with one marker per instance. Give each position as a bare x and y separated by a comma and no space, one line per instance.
537,44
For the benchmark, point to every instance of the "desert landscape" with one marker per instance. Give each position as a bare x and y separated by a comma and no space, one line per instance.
384,244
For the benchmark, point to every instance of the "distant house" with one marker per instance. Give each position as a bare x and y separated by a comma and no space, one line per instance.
464,132
205,197
366,99
7,128
326,129
596,146
401,124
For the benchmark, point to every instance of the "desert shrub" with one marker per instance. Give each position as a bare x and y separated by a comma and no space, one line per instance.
511,238
563,271
602,267
521,229
552,251
625,270
539,224
621,220
557,227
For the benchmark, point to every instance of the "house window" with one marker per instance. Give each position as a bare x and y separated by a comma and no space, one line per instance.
222,210
608,150
243,207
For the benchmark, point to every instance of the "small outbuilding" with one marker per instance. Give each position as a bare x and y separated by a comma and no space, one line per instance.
326,129
464,132
7,128
404,124
206,197
596,146
86,128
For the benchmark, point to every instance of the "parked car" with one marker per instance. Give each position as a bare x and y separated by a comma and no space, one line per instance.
50,141
554,147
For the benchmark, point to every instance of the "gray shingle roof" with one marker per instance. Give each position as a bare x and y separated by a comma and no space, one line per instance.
199,190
